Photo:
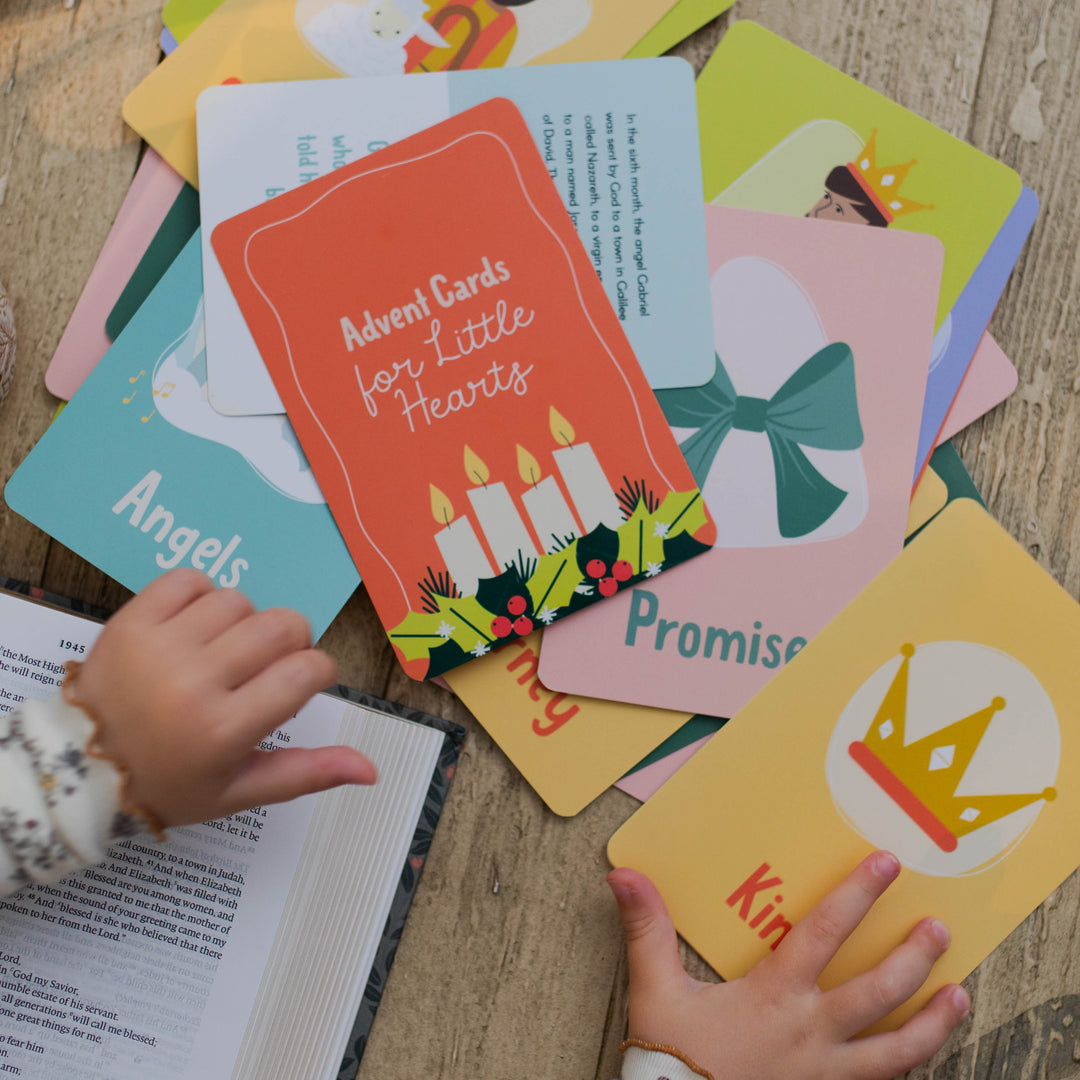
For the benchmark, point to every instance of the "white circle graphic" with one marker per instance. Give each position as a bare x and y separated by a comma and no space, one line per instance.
1019,754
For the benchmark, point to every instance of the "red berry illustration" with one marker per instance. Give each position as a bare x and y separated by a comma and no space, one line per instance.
608,586
622,570
516,605
500,626
596,568
523,625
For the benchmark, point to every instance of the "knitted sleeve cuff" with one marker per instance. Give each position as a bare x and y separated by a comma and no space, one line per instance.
59,806
639,1064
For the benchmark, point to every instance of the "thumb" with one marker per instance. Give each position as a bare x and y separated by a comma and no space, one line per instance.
652,947
280,775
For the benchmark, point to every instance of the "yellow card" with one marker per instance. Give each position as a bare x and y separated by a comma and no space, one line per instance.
282,40
936,716
568,748
929,497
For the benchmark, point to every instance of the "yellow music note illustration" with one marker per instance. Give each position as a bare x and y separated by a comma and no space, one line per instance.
145,418
166,390
133,379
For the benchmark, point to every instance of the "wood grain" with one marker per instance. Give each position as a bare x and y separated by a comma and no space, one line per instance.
512,961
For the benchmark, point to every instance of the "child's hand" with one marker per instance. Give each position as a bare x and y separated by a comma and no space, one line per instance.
186,679
775,1023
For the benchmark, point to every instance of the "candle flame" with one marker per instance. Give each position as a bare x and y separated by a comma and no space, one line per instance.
475,468
442,509
528,466
561,429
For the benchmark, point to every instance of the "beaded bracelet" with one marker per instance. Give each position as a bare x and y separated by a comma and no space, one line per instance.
663,1048
93,749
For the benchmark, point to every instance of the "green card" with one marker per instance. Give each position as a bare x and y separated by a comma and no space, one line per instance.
784,132
684,19
697,727
947,463
182,16
174,232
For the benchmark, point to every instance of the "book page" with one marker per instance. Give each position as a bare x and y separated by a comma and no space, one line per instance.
192,959
132,968
35,642
333,921
149,963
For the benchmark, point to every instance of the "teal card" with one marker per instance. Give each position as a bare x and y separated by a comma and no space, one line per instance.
139,474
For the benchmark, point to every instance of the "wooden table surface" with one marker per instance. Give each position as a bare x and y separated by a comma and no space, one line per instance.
512,961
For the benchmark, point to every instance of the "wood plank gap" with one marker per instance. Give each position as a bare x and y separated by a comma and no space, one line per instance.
969,134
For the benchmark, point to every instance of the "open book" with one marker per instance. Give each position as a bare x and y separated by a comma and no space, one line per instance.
255,946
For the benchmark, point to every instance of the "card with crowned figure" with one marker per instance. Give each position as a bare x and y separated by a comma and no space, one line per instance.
935,717
463,388
802,443
254,41
785,132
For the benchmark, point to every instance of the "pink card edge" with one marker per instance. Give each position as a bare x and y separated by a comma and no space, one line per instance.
153,190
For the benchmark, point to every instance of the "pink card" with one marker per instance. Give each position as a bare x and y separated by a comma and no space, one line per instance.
803,444
988,382
84,342
645,783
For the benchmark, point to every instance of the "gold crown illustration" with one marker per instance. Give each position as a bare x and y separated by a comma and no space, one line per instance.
882,184
921,778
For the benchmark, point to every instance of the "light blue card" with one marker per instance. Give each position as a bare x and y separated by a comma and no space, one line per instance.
959,335
139,474
619,138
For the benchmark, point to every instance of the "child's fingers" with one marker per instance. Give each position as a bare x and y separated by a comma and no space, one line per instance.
279,775
268,699
867,998
209,615
882,1057
652,948
809,947
251,645
164,597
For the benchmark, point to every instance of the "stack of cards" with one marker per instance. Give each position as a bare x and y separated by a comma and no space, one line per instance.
518,342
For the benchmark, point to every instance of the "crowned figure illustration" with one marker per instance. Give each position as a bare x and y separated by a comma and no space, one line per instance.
824,169
773,440
862,192
947,754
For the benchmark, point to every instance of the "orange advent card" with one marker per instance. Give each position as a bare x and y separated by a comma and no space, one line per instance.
462,387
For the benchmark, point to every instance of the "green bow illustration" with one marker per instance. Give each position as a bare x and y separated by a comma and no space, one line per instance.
816,407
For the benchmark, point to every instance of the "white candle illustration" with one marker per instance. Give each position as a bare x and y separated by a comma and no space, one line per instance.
461,551
593,497
500,522
551,517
